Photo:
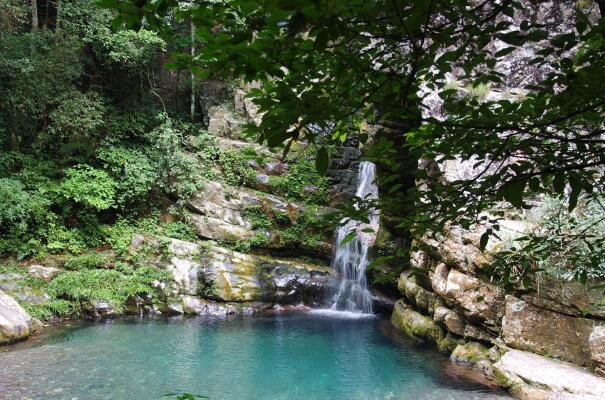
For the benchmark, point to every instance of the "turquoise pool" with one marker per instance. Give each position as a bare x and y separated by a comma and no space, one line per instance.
290,356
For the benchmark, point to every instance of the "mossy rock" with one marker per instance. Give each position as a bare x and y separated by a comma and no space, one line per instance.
419,326
470,353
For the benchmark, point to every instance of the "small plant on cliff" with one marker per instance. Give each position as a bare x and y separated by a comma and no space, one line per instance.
568,244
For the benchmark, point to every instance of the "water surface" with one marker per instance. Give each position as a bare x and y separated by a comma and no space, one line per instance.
295,356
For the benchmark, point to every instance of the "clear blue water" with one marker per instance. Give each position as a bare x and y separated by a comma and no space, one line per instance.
295,356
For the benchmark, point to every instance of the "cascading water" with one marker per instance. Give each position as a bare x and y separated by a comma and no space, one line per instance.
351,259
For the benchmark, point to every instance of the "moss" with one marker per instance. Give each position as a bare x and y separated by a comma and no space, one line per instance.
416,325
470,353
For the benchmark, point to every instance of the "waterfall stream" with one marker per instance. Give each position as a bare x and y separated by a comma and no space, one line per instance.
350,260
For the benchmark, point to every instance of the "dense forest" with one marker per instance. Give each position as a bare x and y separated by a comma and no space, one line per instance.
175,157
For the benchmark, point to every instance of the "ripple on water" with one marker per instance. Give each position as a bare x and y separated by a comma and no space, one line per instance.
310,356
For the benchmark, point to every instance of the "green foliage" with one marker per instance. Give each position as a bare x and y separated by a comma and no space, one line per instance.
133,171
92,260
21,210
179,174
301,182
566,244
295,226
178,230
49,309
131,49
259,239
235,166
89,187
87,286
78,115
356,55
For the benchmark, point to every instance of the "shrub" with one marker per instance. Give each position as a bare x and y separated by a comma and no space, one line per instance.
87,261
21,210
79,115
178,171
90,187
134,172
87,286
567,244
235,166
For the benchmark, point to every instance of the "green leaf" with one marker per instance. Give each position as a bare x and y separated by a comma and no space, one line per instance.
484,239
349,237
512,192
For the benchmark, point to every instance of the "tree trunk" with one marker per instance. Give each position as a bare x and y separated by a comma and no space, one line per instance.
58,19
192,110
46,11
34,15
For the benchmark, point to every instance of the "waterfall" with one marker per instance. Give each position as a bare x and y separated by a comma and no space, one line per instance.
350,260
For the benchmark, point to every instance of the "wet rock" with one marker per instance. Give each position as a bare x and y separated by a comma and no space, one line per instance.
470,353
203,307
103,309
419,326
15,322
530,376
477,300
545,332
453,321
234,276
46,274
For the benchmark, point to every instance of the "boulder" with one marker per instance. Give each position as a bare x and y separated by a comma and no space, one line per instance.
458,249
479,301
225,275
102,309
416,294
46,274
596,345
470,353
217,229
276,168
15,322
526,327
530,376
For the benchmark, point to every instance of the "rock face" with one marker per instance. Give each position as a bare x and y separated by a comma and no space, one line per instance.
449,301
217,212
216,274
15,322
541,331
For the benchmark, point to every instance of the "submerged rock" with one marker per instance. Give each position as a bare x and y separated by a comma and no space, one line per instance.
15,322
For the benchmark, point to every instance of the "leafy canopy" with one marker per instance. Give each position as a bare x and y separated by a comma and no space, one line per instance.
328,67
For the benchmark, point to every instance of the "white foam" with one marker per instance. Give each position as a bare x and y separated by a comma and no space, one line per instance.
341,314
